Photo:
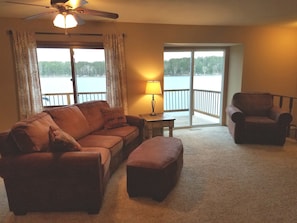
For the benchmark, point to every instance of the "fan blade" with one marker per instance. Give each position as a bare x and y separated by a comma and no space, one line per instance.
79,20
21,3
40,14
73,4
97,13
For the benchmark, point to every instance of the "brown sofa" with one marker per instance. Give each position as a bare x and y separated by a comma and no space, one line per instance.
252,118
61,159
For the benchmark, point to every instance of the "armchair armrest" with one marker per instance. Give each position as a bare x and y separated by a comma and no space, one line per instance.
135,120
281,116
74,164
235,113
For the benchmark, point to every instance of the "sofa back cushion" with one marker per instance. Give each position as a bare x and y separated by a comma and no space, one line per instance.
71,120
93,114
32,134
256,104
114,118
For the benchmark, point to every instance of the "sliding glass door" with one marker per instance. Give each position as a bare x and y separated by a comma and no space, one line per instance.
177,84
193,83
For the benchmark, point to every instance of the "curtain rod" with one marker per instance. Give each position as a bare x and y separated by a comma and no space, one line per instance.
69,34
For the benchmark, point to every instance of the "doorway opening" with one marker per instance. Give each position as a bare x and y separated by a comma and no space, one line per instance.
193,85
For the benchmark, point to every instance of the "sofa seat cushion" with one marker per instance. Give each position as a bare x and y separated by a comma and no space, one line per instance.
105,156
93,114
127,133
113,143
71,120
32,134
259,128
259,120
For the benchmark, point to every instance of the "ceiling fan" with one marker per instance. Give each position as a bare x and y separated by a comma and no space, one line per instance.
68,12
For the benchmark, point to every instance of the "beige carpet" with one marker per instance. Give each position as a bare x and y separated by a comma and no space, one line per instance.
221,182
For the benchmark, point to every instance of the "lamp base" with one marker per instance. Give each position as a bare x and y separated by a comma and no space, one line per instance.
153,114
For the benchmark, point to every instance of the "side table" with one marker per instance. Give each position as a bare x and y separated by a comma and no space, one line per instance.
157,121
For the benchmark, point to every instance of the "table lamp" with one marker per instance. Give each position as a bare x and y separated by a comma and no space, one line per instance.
153,87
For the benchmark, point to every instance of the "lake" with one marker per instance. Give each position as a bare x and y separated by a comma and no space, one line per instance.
97,84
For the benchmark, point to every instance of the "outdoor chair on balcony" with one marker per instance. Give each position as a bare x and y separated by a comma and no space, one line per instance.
252,118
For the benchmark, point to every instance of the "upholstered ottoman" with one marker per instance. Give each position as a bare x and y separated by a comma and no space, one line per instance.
153,168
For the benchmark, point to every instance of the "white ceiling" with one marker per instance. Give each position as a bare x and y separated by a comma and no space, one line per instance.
185,12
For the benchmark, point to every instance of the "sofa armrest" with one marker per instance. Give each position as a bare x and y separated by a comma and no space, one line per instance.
235,114
7,146
135,120
73,164
281,116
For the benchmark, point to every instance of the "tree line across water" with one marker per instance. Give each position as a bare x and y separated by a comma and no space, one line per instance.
211,65
174,67
58,68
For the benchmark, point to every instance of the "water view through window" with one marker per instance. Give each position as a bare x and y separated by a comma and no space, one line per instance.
62,85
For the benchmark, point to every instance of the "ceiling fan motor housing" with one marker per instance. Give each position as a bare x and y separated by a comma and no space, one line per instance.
54,2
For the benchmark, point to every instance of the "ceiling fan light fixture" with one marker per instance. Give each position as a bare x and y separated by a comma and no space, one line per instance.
65,21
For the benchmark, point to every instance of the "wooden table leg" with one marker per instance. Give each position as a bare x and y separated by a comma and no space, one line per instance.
171,125
170,131
150,132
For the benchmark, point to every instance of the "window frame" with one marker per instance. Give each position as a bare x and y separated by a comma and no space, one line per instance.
71,46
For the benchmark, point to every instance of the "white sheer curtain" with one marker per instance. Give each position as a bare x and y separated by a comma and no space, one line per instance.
27,75
116,81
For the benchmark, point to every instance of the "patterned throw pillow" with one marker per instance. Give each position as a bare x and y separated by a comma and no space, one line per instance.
61,141
114,118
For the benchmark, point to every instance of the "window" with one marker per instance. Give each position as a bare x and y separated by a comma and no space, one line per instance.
71,75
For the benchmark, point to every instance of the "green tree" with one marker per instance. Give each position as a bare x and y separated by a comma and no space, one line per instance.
54,68
211,65
59,69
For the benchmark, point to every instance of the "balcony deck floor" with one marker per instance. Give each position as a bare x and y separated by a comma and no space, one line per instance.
198,119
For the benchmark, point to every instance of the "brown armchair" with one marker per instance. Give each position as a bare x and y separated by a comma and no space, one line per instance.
252,118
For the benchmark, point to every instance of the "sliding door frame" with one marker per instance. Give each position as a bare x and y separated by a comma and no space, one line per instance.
224,81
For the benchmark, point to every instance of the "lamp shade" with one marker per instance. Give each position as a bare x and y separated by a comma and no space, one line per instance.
65,21
153,87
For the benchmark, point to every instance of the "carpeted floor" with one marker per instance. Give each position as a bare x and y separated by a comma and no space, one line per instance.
221,182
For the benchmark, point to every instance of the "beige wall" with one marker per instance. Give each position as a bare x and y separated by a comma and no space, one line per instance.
234,82
268,57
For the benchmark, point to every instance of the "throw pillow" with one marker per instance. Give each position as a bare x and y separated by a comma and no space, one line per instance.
61,141
31,135
114,117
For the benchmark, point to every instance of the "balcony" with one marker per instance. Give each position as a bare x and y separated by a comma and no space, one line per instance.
176,103
205,111
62,99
